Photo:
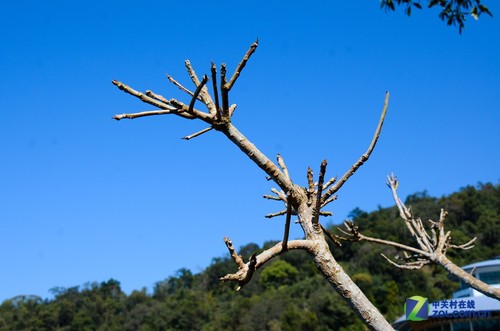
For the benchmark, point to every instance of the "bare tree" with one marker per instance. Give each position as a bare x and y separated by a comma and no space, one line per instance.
433,244
304,202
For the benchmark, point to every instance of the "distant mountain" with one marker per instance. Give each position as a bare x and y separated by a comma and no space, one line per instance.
287,294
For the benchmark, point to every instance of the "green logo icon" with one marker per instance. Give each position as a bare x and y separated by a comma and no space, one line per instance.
417,308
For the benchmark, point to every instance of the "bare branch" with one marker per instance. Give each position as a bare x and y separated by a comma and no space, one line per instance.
232,108
182,88
185,108
259,158
236,258
287,223
281,195
241,65
297,200
213,70
434,246
468,278
329,183
224,91
153,95
281,163
282,212
467,245
321,179
395,244
408,266
332,237
405,213
324,203
363,157
244,274
143,97
271,197
204,95
197,92
196,134
352,230
152,113
310,181
246,271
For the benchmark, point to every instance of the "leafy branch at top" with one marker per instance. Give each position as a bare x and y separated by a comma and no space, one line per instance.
453,12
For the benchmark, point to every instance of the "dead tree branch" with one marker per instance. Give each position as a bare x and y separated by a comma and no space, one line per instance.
282,165
306,203
363,157
319,191
431,248
287,224
246,270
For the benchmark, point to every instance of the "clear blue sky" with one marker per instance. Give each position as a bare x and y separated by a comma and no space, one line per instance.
85,198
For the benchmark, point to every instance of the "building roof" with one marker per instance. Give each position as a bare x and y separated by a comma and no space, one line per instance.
487,263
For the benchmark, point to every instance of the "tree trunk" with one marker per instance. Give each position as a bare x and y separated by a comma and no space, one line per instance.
336,276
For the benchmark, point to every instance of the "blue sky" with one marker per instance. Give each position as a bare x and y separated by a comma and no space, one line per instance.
85,198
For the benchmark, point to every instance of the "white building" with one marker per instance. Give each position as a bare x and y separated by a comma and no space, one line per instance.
469,310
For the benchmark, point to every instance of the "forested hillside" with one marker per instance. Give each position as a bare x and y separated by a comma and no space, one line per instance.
287,294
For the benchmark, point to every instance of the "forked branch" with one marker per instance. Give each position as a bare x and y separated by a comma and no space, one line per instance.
246,270
432,244
306,203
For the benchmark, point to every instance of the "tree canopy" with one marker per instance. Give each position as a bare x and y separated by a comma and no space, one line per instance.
453,12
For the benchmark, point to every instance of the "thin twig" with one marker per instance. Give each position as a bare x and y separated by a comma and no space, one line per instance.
232,108
330,182
327,201
241,65
143,97
245,271
197,92
467,245
213,70
196,134
363,157
204,95
182,88
152,113
282,212
414,266
321,179
310,180
287,222
281,194
395,244
271,197
153,95
197,114
281,163
224,91
331,236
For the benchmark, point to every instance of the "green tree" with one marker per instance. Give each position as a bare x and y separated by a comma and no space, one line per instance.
278,273
453,12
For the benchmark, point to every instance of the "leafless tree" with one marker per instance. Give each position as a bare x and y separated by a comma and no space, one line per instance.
433,244
306,203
